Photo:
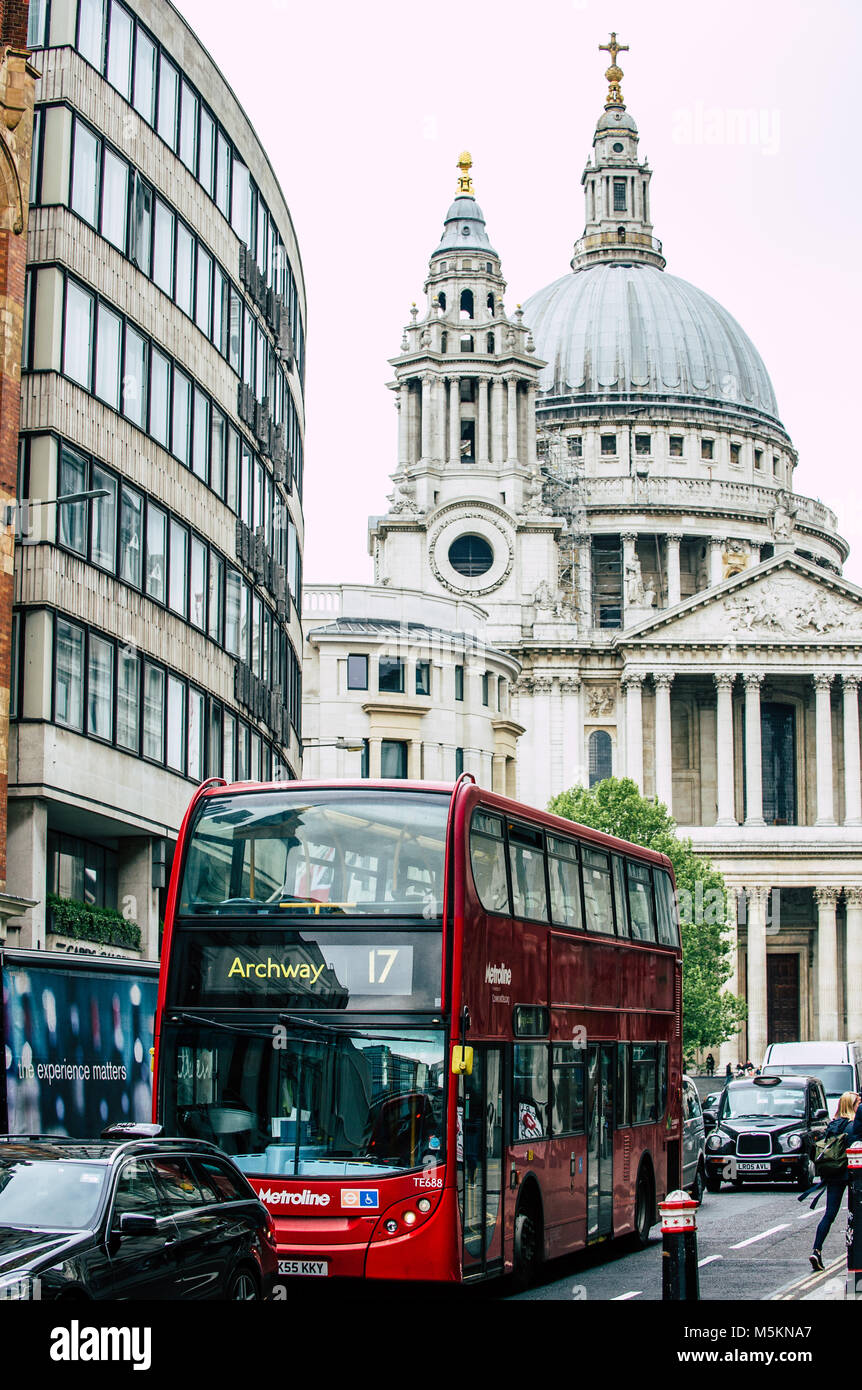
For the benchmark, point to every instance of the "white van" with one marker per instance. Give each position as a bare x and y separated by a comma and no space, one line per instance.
837,1064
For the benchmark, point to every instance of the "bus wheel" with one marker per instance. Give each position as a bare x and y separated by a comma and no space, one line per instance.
527,1246
644,1208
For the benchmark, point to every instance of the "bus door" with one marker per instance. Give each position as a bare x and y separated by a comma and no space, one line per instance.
601,1067
480,1161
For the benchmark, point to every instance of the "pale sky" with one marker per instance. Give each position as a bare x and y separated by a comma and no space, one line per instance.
364,109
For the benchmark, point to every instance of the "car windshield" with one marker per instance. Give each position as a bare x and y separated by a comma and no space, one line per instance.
49,1194
750,1101
300,1100
836,1079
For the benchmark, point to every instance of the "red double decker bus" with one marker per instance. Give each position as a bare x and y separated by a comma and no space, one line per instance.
438,1030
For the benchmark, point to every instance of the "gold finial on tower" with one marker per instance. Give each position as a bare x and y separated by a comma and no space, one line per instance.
614,73
465,183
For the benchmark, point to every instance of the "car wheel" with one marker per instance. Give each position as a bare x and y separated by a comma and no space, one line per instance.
805,1178
527,1248
698,1187
713,1182
242,1287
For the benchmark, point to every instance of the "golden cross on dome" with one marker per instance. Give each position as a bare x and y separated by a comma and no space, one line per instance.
614,73
465,183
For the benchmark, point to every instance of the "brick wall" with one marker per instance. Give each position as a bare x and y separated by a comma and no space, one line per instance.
17,85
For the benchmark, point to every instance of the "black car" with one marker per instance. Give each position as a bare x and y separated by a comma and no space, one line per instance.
766,1130
129,1218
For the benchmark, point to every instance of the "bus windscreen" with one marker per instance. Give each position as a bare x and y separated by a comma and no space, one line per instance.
326,853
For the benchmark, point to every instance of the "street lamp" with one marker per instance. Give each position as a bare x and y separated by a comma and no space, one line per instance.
12,507
346,745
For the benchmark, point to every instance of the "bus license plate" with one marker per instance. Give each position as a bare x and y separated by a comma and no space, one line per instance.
308,1268
752,1167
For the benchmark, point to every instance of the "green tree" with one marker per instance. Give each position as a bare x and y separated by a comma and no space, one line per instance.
711,1016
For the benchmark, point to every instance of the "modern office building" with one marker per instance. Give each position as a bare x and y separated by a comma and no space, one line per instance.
156,635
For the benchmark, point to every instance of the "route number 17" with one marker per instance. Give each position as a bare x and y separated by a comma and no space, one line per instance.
380,962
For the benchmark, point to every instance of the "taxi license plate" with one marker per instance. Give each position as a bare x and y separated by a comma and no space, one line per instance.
308,1268
752,1167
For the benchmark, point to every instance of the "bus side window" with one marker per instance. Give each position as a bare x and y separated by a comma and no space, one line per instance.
668,926
644,1084
565,882
527,863
488,861
597,892
567,1094
530,1087
623,1088
620,896
640,901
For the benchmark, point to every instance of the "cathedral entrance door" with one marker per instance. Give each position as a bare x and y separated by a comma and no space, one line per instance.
782,997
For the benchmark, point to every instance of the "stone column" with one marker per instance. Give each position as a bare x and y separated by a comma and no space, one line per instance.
512,420
585,583
498,773
756,972
724,761
730,1050
374,757
827,964
823,720
852,786
632,684
663,758
440,447
136,898
541,715
853,963
454,419
482,421
427,415
414,759
574,773
673,539
753,750
557,761
531,426
716,564
403,407
498,442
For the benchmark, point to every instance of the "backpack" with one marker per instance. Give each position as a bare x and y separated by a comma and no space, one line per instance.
830,1157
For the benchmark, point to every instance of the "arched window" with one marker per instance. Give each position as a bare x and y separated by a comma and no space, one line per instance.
490,342
466,342
491,301
441,299
466,304
601,756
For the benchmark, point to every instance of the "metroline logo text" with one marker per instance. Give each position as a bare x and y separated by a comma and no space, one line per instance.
498,975
305,1198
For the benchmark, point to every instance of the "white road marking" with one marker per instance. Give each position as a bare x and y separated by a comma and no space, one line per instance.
807,1215
708,1261
635,1293
763,1234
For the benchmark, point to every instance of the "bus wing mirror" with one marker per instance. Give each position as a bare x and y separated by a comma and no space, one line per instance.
462,1061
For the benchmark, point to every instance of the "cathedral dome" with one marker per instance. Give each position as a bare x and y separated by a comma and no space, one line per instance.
614,330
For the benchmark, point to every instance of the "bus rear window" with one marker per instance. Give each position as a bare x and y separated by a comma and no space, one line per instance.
322,853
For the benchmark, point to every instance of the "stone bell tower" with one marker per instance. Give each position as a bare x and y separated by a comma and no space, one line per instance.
467,479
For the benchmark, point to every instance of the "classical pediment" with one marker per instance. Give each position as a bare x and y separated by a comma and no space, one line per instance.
782,600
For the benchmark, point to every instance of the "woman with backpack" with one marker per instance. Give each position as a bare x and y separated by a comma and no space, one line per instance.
835,1185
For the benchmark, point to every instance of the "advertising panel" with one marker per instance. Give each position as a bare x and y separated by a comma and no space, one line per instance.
77,1046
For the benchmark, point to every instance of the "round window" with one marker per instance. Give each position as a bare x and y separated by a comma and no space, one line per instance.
618,149
471,555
